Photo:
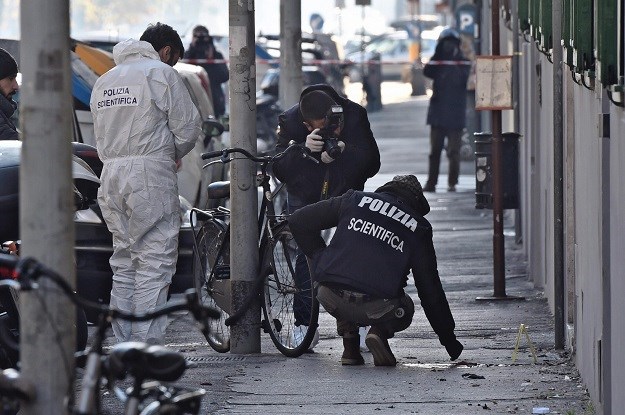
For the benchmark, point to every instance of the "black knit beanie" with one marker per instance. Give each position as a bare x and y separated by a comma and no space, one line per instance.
409,189
8,66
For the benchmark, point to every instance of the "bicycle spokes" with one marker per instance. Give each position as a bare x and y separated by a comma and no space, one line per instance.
289,306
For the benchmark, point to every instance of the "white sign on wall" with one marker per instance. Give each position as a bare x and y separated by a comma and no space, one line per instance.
493,82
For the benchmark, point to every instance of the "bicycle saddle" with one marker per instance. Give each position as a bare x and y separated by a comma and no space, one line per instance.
145,362
219,190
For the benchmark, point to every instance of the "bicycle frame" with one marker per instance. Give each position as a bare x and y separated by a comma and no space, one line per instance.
277,269
23,274
267,218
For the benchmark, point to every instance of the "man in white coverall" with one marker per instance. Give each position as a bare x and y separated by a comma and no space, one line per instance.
144,122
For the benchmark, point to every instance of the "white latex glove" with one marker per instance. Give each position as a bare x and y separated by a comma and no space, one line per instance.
326,158
314,142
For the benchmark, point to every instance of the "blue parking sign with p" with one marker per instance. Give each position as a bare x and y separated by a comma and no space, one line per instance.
466,19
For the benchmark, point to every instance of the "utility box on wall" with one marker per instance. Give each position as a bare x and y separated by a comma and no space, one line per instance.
484,170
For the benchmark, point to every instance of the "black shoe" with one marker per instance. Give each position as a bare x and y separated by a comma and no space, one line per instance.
381,351
429,188
451,188
351,353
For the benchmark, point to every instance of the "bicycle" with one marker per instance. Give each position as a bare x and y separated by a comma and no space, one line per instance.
276,279
135,359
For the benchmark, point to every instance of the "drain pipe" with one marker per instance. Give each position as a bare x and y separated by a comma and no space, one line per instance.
558,177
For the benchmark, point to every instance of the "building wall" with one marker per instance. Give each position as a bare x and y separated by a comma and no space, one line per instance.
617,258
588,225
529,169
594,211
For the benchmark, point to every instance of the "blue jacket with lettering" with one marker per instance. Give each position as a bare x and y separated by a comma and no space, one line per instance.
379,239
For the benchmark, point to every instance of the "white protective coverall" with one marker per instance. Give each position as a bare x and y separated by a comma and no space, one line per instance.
144,120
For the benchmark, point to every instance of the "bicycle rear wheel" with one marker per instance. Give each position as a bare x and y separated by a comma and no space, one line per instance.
211,277
289,304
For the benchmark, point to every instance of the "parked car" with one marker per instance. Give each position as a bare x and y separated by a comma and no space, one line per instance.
418,23
93,240
394,52
316,48
93,243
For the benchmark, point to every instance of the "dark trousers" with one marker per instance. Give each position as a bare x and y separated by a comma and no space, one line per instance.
437,142
352,310
302,304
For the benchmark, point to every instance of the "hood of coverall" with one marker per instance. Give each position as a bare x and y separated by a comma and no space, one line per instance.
133,48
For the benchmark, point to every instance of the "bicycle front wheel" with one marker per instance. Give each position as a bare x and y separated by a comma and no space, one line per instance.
290,307
211,277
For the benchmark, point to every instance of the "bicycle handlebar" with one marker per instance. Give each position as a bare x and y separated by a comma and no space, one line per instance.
305,152
25,272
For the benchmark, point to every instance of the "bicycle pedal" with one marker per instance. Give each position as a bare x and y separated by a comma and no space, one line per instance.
265,326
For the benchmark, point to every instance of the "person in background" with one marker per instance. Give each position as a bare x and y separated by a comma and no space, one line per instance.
8,88
203,47
360,276
449,70
337,133
144,122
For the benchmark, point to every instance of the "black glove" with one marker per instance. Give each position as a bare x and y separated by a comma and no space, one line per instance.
454,348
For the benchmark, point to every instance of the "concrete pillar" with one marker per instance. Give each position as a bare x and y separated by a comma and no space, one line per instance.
245,333
46,201
291,81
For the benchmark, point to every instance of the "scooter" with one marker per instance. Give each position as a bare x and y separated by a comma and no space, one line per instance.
86,183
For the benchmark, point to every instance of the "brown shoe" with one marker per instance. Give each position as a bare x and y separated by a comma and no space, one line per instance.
381,351
351,353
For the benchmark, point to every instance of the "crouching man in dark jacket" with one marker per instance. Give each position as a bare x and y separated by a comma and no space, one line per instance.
360,276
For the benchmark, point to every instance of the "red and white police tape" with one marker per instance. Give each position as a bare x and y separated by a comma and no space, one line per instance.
325,62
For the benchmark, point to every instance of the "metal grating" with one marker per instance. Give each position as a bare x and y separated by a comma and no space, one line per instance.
201,359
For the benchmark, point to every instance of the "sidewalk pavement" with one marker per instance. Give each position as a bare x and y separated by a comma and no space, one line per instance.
485,377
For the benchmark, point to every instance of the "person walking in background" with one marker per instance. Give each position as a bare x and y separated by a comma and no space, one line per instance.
337,132
203,47
8,88
449,70
144,122
360,276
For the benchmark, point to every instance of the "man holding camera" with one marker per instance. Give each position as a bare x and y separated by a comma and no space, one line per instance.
337,132
202,47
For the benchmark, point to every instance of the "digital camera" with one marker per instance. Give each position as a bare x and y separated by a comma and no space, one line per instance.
334,120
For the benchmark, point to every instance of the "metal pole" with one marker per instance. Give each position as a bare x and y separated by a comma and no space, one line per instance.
245,334
291,80
518,230
558,177
47,333
499,258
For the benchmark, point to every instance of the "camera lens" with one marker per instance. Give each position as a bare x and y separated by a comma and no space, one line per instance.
331,146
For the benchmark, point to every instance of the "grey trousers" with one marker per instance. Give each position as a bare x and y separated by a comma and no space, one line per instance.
352,310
